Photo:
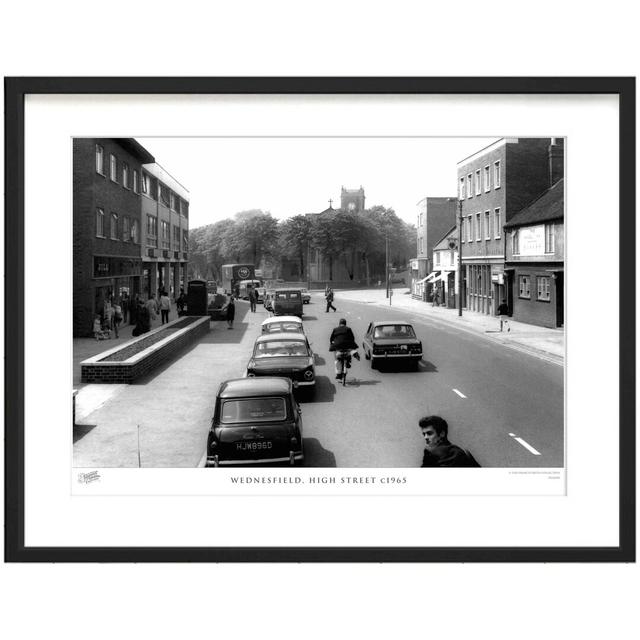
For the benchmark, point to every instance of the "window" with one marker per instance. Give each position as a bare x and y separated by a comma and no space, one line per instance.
420,245
172,200
176,238
497,226
136,186
478,185
113,168
487,225
487,178
100,222
469,225
461,188
177,203
125,175
496,174
515,242
437,260
469,188
549,238
134,232
525,286
544,288
478,227
147,186
100,159
166,235
185,209
164,194
125,229
114,226
185,241
152,226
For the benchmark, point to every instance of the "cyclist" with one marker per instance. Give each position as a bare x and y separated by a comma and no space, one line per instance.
343,343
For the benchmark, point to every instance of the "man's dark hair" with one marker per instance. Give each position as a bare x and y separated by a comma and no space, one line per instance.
342,321
438,423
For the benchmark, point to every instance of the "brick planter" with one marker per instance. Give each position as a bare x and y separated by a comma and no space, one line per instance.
109,367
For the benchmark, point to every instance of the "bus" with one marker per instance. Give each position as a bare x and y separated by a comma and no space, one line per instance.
232,274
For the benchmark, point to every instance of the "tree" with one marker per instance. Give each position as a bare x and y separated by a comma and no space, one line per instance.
294,238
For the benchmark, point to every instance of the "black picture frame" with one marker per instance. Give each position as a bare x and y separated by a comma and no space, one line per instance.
16,89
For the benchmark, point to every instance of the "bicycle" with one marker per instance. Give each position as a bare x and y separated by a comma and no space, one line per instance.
344,357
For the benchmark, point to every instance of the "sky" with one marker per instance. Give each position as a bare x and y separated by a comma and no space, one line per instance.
288,176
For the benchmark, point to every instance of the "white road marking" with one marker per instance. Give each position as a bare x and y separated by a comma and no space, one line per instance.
459,393
525,444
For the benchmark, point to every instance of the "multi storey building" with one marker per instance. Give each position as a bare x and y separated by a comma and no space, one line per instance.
435,218
493,185
445,263
535,260
165,231
110,254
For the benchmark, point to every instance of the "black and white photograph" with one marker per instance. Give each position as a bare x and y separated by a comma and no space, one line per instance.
319,302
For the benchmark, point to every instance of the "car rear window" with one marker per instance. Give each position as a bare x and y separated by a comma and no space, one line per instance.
271,348
279,327
253,410
288,295
394,331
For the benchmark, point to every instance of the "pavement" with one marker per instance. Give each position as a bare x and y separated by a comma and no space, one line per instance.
109,426
542,342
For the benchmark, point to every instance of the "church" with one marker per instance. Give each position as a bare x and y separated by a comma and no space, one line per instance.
327,269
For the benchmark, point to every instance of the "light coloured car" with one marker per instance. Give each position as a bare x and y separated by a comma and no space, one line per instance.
277,324
306,296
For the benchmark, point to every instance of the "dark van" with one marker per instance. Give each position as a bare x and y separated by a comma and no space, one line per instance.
287,302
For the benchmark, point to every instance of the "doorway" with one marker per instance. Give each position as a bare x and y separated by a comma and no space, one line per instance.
559,281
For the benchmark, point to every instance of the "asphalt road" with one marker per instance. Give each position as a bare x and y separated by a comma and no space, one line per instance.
505,406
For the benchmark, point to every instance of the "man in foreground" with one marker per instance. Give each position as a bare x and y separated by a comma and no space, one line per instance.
438,451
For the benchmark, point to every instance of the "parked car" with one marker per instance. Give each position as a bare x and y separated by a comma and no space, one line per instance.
279,324
217,304
283,354
390,340
306,296
255,420
287,302
260,291
268,299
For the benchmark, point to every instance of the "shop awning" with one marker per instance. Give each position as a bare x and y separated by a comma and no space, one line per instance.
431,277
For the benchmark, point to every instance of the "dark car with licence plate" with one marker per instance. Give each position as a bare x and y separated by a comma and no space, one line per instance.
390,341
217,305
284,354
255,421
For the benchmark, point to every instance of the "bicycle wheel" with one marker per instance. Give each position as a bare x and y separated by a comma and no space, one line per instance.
344,373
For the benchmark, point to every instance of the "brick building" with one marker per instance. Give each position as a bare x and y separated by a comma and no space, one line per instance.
435,218
109,240
535,260
493,185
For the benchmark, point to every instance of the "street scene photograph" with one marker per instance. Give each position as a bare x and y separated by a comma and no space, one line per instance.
322,302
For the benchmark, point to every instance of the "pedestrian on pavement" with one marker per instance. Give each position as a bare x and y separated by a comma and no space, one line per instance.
436,296
143,320
438,451
503,313
329,297
117,317
252,299
98,332
152,308
181,301
133,309
165,307
108,315
231,312
124,303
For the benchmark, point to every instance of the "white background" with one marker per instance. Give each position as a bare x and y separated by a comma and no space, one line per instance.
501,601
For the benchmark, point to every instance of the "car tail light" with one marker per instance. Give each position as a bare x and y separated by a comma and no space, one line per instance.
294,442
251,374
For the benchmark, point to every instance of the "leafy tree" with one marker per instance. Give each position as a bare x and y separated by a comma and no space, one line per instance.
294,238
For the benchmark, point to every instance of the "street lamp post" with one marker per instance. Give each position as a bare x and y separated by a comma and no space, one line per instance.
386,263
460,257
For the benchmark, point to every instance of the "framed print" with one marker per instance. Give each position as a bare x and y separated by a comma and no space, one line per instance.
320,319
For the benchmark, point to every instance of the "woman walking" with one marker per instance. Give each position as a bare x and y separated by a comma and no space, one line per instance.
231,312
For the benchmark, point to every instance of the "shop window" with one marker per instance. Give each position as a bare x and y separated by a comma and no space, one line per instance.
524,283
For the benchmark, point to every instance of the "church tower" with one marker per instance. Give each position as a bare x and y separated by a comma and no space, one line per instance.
352,199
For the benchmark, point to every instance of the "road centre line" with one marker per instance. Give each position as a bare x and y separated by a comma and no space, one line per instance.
459,393
525,444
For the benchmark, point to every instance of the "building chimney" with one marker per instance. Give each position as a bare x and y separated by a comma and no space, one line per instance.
556,160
